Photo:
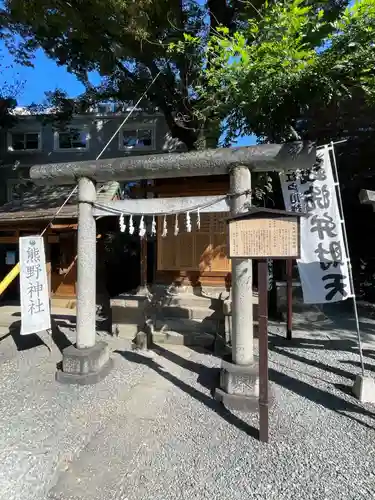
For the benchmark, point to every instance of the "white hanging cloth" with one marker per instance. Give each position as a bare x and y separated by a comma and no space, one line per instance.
188,222
153,226
142,228
176,228
165,228
131,225
122,223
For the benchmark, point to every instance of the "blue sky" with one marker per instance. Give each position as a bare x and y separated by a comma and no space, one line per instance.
45,76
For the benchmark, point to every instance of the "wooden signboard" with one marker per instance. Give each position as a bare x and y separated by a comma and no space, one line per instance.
265,236
262,234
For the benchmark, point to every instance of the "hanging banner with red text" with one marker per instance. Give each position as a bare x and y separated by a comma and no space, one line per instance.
324,263
35,310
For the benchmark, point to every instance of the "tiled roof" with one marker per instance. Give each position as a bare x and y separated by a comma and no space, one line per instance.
41,203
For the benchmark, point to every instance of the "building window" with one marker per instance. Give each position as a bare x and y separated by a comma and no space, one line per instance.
24,141
137,139
72,138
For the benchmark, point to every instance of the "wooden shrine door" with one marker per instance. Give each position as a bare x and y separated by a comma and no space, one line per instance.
203,250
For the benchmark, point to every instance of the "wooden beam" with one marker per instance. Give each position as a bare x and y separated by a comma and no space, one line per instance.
4,240
64,226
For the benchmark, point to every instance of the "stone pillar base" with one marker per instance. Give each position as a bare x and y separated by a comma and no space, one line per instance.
239,387
364,389
85,366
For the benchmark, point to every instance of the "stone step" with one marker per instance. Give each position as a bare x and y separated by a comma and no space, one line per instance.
125,330
128,332
128,309
191,301
195,312
213,292
177,338
185,325
64,303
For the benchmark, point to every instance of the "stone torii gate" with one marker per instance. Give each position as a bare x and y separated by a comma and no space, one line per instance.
89,361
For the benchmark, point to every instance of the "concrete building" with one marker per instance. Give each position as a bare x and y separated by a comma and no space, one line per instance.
34,140
26,209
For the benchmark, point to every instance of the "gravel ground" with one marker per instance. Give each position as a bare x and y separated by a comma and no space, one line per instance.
151,430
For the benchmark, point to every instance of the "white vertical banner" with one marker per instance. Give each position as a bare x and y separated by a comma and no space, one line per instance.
35,310
324,263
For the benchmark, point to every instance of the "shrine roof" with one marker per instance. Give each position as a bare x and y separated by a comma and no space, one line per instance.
42,202
264,157
254,212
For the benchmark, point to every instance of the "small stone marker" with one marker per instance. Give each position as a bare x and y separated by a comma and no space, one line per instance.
364,389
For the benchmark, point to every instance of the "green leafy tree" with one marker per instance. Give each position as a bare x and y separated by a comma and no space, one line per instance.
277,72
128,43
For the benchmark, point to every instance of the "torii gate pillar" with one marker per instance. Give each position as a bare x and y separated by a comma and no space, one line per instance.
242,276
87,362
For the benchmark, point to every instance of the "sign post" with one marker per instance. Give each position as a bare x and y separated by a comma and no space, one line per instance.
263,350
289,298
35,310
263,234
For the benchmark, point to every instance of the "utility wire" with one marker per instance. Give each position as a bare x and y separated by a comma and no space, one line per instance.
102,151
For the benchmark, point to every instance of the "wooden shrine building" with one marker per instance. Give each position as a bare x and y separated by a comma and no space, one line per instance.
199,257
30,215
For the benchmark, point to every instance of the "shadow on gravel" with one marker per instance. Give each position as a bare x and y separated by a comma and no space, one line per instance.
207,377
311,362
27,342
59,337
331,401
342,323
326,399
316,343
24,342
282,346
370,368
